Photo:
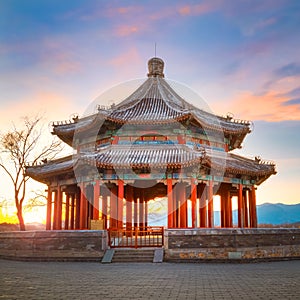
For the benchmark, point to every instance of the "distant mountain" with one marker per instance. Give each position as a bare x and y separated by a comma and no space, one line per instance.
269,213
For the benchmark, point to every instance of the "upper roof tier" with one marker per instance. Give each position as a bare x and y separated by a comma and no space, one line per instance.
154,102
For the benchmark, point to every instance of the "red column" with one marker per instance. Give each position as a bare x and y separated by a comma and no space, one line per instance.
193,200
96,200
55,224
59,208
83,208
228,209
223,208
141,210
77,213
104,209
170,203
120,202
146,214
245,208
67,212
240,206
135,211
113,208
183,205
72,211
202,195
210,210
230,212
129,199
49,209
175,207
253,217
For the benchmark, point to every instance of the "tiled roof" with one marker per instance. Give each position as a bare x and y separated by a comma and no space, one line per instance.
154,102
153,156
51,168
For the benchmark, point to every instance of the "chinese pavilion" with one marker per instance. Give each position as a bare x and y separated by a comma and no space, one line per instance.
152,144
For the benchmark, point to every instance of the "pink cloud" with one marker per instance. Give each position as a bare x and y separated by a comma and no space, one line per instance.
41,103
268,107
126,30
198,9
131,57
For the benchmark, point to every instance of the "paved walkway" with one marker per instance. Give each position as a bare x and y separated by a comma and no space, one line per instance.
69,280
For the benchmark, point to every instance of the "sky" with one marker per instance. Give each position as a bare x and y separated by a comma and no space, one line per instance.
241,57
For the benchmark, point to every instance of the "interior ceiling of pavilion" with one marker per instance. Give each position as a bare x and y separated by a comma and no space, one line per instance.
156,104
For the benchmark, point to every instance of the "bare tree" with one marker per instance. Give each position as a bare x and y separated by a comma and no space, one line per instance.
18,148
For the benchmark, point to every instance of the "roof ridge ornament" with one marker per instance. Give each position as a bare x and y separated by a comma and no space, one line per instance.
156,67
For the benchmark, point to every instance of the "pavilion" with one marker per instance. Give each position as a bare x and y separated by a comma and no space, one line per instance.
152,144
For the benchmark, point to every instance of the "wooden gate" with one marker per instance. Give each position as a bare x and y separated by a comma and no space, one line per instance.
151,236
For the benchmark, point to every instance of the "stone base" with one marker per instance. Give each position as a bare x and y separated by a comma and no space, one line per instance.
54,245
234,245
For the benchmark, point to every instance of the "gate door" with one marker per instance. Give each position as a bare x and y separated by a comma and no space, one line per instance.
151,236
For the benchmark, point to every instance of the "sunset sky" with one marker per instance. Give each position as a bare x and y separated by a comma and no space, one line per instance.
242,57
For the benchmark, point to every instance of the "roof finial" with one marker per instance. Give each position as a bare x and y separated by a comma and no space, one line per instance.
156,67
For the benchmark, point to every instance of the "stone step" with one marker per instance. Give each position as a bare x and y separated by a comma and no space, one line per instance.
133,255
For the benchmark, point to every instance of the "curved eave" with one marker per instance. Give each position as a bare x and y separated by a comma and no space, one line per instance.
43,173
65,131
149,122
174,157
239,165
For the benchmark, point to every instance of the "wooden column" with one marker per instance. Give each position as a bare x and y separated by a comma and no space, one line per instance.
67,211
240,206
59,208
245,208
55,224
193,200
129,199
104,209
202,195
228,210
141,210
135,208
183,205
252,204
231,212
175,207
223,208
120,202
77,210
72,221
96,200
146,213
83,208
170,203
49,209
113,207
210,210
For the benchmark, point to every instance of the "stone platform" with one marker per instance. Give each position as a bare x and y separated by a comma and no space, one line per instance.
231,244
180,245
54,245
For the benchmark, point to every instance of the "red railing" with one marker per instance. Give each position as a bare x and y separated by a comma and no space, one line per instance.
151,236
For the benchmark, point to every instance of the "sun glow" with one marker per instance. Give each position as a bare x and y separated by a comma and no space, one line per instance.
8,214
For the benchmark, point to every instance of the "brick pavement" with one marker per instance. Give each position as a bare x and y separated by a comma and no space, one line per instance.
79,280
